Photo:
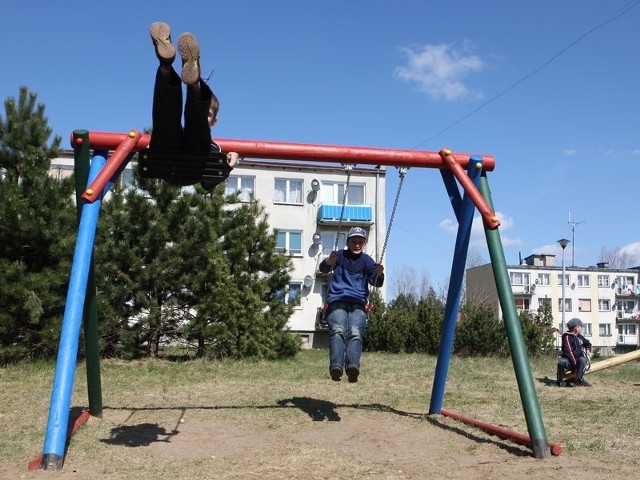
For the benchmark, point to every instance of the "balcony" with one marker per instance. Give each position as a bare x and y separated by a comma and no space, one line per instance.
330,213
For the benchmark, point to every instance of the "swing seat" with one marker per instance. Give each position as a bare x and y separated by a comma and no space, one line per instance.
181,167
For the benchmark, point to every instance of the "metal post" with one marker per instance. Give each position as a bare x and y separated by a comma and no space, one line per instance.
563,243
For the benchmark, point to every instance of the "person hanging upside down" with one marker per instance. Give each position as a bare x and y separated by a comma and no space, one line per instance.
201,107
353,271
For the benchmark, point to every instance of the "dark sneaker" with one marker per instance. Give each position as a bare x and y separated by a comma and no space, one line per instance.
352,374
336,374
584,383
190,53
161,36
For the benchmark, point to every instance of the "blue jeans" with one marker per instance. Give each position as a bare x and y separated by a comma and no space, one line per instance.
347,324
565,364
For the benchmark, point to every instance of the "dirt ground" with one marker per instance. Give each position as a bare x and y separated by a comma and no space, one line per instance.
328,441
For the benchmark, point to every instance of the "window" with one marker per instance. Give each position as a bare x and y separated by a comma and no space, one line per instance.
543,279
288,190
567,304
519,278
629,329
626,306
604,305
243,185
544,301
329,241
604,329
586,330
584,305
289,241
522,303
625,285
566,279
333,192
583,280
603,281
291,295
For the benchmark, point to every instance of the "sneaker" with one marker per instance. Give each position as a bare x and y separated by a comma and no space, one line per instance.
161,36
336,374
190,53
352,374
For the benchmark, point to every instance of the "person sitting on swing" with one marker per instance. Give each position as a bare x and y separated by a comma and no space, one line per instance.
201,107
353,271
576,350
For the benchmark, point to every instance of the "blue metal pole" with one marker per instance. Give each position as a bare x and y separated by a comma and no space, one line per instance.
56,434
464,214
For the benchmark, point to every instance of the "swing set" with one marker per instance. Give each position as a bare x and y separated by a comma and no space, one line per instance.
321,321
100,157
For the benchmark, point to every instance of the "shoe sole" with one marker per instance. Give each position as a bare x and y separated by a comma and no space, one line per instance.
352,374
190,53
161,35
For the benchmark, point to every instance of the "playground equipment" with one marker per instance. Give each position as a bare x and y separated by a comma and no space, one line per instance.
465,170
608,363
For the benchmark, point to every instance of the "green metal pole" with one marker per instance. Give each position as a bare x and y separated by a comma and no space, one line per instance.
519,355
81,149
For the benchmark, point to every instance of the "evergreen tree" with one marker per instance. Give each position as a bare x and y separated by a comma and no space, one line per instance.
255,317
183,266
430,319
37,232
538,331
479,332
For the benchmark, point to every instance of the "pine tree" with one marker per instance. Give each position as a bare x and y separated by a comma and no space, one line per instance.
37,232
183,266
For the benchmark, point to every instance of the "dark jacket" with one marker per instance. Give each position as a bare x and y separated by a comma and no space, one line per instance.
352,273
574,347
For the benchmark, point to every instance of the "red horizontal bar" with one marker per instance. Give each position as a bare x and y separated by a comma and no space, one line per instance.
312,152
556,449
124,148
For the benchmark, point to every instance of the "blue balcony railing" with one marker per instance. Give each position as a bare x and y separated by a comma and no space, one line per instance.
352,213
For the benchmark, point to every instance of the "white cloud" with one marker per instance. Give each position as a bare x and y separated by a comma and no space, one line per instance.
439,69
633,251
450,226
569,151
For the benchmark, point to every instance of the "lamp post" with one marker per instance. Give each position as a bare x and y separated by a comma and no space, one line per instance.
563,243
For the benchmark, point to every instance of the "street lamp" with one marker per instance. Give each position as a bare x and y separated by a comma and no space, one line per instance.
563,243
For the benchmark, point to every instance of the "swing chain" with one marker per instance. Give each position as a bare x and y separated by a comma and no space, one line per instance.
369,307
401,172
348,168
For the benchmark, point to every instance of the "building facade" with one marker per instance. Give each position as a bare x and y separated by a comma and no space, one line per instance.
307,210
605,299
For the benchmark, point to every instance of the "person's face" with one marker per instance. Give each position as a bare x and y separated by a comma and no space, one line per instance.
356,244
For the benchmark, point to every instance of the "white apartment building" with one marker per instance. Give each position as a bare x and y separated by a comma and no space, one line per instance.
304,204
605,299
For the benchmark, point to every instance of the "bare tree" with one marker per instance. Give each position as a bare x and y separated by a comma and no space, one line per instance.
404,281
425,283
474,258
616,257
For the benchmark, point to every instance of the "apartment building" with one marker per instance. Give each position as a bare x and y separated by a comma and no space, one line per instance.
304,204
605,299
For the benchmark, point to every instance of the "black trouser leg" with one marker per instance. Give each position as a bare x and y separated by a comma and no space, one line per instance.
197,131
167,112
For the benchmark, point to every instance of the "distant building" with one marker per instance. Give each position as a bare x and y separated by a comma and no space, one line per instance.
605,299
303,202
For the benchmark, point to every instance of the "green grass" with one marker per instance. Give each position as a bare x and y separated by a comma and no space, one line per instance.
603,421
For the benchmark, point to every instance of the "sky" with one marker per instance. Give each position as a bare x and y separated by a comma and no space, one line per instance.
549,88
